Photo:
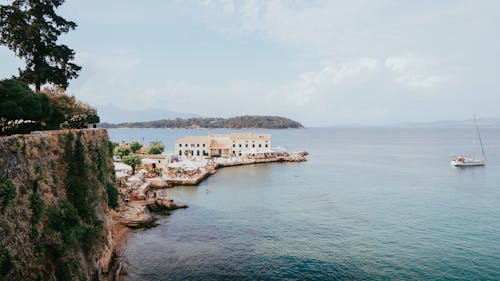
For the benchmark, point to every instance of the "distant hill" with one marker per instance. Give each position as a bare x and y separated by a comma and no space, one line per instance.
114,114
240,122
482,123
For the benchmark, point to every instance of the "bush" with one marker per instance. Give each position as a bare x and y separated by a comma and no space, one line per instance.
21,110
37,205
121,151
135,146
132,160
112,195
7,191
156,147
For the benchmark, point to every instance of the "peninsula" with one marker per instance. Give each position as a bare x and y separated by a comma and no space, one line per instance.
239,122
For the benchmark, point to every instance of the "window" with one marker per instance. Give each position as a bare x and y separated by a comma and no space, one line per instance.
240,153
240,144
266,145
180,152
246,145
203,145
186,145
197,153
180,144
253,145
234,152
192,145
260,145
197,145
192,152
234,145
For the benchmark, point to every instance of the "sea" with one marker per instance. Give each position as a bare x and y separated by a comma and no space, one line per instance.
369,204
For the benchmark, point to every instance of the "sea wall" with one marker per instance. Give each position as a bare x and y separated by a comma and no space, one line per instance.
55,191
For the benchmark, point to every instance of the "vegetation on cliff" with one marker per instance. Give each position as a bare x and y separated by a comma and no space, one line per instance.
53,229
240,122
23,111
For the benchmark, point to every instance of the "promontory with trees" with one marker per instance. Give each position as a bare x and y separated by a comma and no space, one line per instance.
240,122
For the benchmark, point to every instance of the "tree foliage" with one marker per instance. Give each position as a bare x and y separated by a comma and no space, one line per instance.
21,110
112,195
31,28
240,122
7,191
121,151
68,112
135,146
132,160
156,147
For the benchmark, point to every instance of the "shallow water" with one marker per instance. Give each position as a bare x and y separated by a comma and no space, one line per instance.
369,204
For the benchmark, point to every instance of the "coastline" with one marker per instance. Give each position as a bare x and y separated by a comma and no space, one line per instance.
138,215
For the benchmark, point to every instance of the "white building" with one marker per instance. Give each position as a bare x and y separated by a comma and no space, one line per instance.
216,145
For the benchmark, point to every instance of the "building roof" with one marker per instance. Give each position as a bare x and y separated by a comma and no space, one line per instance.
193,139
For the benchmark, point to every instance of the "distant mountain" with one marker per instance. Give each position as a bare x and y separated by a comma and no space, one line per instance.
114,114
240,122
482,123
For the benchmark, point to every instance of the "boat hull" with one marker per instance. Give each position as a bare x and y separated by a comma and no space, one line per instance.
468,163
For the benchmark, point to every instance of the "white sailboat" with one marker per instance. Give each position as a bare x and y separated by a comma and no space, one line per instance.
470,161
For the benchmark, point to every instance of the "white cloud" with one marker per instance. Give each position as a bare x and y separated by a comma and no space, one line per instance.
414,71
311,84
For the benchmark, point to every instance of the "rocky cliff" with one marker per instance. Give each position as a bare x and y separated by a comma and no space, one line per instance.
56,189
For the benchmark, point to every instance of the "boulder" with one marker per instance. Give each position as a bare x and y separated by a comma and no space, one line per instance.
163,204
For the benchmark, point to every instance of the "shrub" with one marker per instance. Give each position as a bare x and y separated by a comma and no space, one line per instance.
7,191
132,160
112,195
135,146
156,147
37,205
121,151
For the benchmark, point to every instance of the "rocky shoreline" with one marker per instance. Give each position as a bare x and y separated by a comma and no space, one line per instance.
140,214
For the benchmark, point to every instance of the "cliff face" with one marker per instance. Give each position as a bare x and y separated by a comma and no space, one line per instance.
54,196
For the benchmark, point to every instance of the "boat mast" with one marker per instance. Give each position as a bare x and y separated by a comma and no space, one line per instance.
479,136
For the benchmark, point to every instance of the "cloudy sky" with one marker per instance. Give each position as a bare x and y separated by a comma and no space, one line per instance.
320,62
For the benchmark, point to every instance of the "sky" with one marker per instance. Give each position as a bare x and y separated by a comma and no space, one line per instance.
322,63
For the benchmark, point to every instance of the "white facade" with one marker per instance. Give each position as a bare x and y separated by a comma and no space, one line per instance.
216,145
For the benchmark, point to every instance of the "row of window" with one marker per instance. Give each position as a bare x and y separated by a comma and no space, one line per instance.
234,145
246,145
191,152
192,145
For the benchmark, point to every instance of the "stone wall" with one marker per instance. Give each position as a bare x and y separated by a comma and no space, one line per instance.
54,216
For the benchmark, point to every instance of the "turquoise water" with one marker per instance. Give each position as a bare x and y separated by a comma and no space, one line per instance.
370,204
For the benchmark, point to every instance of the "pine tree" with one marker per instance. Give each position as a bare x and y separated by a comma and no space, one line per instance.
31,28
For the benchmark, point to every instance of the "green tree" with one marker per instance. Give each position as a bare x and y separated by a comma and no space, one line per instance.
7,191
112,195
21,110
132,160
30,28
68,112
121,151
156,147
135,146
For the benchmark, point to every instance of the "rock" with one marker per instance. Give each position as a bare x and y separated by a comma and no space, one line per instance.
146,222
163,204
160,184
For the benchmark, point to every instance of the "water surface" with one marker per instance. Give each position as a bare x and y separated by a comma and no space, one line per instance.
369,204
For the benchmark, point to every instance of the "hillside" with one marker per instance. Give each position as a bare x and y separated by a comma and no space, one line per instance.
114,114
240,122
